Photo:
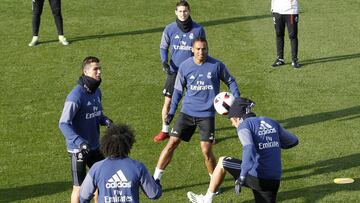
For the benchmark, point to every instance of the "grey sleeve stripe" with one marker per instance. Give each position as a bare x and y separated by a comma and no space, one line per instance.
245,137
164,44
74,169
178,82
68,112
87,188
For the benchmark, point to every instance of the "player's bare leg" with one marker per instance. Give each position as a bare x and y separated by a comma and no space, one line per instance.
215,182
164,133
167,152
165,109
166,156
217,176
75,194
96,196
210,161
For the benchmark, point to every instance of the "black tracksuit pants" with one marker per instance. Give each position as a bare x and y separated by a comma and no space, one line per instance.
37,7
291,22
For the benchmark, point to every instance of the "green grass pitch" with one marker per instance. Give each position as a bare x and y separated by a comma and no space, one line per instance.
320,102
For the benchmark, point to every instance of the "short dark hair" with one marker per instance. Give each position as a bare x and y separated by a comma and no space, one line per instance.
117,141
200,39
89,59
182,3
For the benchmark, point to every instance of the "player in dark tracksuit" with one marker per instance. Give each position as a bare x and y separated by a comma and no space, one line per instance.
80,120
285,13
37,7
260,168
177,40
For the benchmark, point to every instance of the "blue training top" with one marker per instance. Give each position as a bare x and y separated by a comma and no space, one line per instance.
262,139
81,117
119,180
202,84
179,43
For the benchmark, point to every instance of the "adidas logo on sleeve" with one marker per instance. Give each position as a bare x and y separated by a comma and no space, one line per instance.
118,180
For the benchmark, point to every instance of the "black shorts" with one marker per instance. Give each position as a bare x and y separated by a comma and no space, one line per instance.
78,165
169,85
264,190
185,127
233,166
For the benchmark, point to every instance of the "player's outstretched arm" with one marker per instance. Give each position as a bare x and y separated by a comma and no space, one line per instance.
287,139
229,80
87,189
152,188
105,121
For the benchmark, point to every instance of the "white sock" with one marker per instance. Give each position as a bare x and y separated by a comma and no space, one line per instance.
158,173
61,37
35,38
209,196
165,128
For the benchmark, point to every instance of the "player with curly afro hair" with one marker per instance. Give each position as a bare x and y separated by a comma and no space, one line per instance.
117,141
119,177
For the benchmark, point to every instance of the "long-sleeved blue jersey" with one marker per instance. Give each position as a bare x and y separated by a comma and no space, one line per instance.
179,43
202,84
81,117
119,180
262,139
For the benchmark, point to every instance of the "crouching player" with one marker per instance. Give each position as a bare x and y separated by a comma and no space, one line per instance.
260,169
118,177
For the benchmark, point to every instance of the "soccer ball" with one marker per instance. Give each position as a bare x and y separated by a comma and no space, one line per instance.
223,101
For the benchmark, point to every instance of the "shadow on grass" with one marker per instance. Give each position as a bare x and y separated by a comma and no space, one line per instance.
315,193
185,186
160,29
321,117
318,192
31,191
231,135
325,166
330,59
226,128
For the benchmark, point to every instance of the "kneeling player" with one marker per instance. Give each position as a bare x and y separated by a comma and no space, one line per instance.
262,139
